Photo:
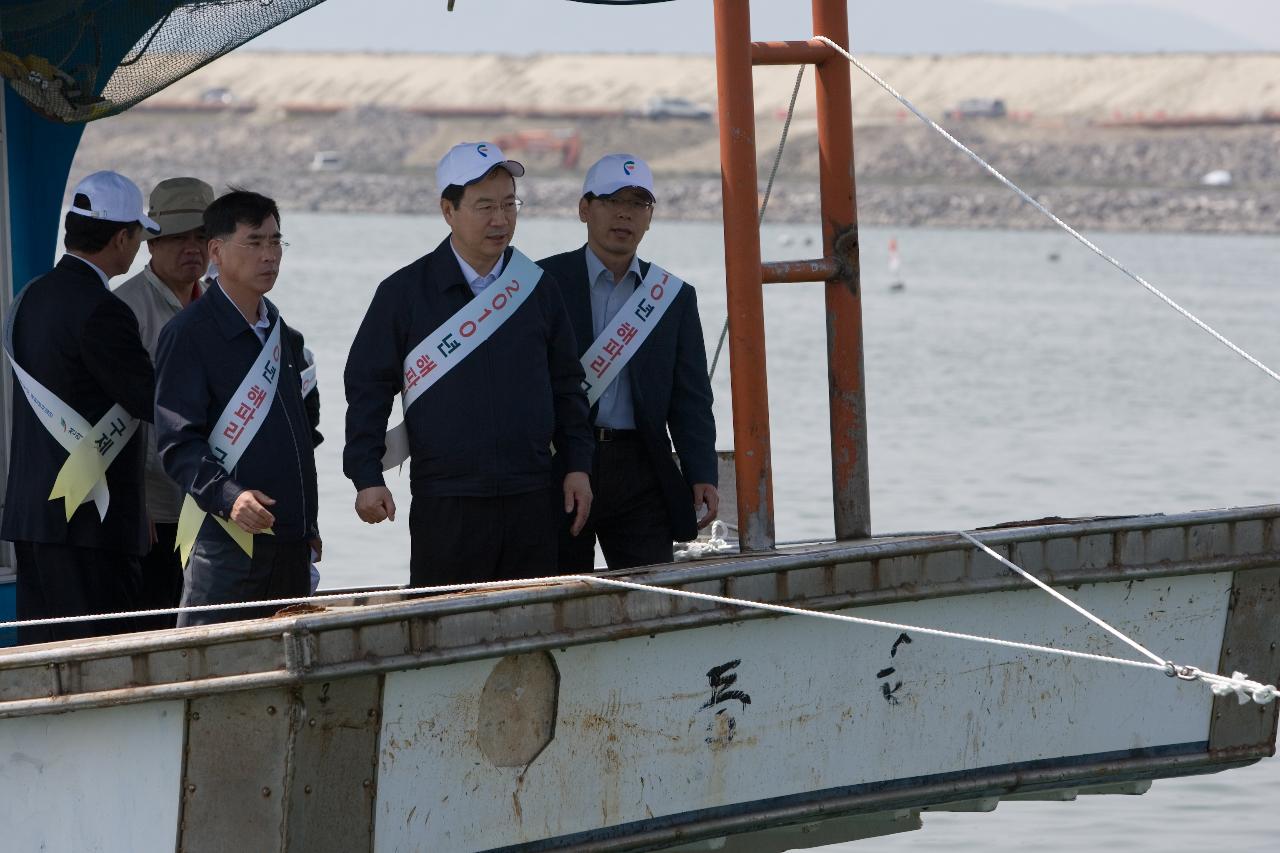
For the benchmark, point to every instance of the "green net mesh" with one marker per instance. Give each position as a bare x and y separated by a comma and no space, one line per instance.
80,60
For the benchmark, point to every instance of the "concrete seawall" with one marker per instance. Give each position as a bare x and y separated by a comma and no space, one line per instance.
1071,138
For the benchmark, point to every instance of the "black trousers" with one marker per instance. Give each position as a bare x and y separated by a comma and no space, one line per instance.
66,580
220,572
474,540
628,513
161,579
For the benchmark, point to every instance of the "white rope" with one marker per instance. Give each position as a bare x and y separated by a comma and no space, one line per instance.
1221,685
1238,683
1044,210
715,544
1062,598
764,203
589,579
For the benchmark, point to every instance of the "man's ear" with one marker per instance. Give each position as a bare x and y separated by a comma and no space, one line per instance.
582,209
447,210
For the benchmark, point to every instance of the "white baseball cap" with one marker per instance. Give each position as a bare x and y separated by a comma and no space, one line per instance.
468,162
114,198
614,172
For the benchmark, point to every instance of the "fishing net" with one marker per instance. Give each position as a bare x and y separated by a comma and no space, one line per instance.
80,60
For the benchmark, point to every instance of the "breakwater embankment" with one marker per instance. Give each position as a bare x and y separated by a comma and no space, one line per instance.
344,136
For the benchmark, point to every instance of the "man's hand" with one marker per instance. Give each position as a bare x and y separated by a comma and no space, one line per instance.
317,549
577,492
375,504
705,493
151,532
250,512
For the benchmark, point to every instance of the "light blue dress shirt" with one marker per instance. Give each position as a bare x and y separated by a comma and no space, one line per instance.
616,408
475,281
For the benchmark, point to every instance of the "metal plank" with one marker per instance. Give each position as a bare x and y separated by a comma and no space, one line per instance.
102,780
1249,645
233,788
333,768
346,642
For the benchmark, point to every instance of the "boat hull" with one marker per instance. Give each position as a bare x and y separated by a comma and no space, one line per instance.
568,717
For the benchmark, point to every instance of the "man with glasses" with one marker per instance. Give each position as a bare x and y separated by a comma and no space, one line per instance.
232,427
171,280
475,339
641,345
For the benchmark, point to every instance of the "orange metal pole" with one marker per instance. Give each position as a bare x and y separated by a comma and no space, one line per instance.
845,377
792,272
790,52
745,292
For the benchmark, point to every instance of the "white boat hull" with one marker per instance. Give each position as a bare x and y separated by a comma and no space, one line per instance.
571,718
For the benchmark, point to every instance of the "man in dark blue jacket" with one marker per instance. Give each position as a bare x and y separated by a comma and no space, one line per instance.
79,362
232,427
638,331
476,340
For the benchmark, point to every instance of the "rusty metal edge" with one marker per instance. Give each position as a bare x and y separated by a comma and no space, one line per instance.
288,675
419,609
690,574
1249,644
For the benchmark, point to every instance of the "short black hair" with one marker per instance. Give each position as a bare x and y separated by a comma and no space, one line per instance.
453,195
86,234
453,192
237,207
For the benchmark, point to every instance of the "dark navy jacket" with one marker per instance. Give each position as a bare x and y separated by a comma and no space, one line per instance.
669,388
486,427
202,356
81,342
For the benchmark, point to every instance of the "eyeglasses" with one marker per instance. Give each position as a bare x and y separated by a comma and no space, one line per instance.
508,208
633,205
272,245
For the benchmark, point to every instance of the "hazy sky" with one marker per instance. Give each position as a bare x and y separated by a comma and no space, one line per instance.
685,26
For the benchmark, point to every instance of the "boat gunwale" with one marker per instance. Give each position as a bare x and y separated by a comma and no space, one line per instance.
296,657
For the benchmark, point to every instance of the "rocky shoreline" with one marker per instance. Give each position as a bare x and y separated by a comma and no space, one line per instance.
1096,178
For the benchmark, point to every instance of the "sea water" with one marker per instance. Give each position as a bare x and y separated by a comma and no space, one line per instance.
1014,376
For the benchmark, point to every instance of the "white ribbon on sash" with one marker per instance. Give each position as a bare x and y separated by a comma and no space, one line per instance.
308,373
237,426
83,476
617,344
456,338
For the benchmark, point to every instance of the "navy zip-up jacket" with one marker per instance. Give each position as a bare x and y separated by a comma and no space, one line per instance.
202,356
486,427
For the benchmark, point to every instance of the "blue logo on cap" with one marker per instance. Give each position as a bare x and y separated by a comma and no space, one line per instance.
628,167
482,150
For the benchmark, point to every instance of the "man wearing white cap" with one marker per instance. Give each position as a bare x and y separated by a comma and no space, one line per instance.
74,503
170,281
640,342
475,339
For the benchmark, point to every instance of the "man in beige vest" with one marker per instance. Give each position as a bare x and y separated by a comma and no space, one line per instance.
172,279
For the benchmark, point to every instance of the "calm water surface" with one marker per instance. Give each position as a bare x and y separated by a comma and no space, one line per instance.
1000,385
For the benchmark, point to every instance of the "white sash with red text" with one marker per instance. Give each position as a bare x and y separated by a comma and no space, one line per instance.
456,338
626,331
83,476
231,436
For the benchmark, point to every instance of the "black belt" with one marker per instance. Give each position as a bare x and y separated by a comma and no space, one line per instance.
606,434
